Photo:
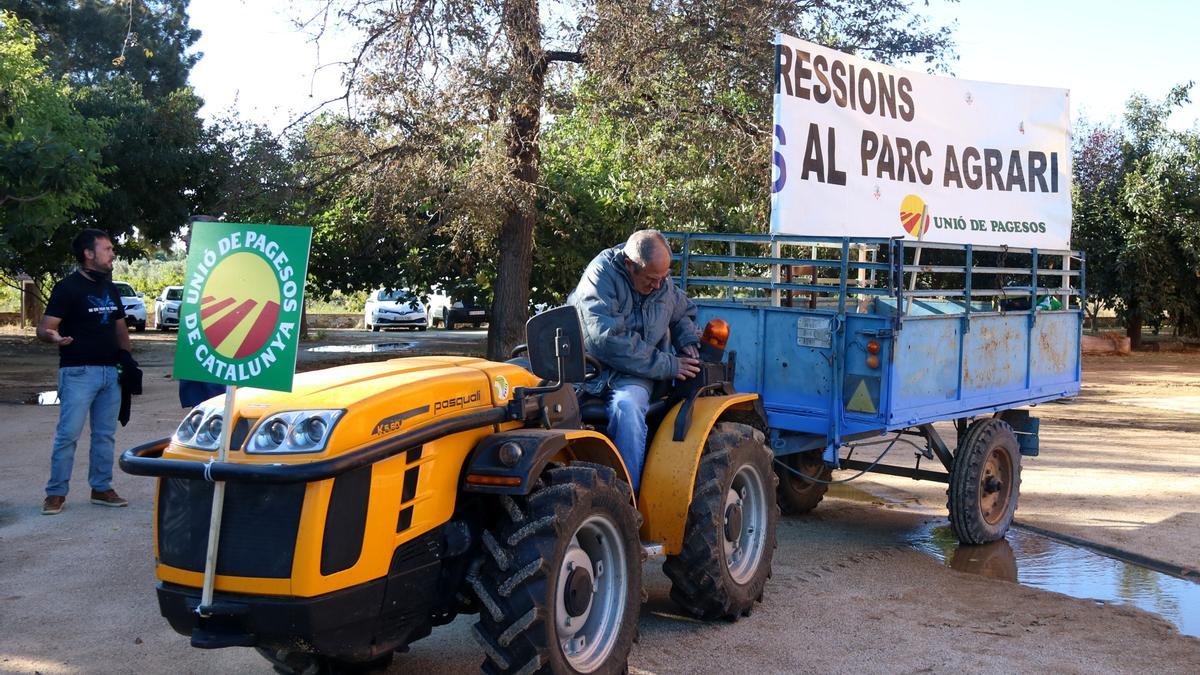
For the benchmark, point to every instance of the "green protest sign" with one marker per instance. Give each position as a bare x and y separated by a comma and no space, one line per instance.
242,302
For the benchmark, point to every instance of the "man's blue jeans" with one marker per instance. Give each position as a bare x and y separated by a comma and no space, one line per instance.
83,390
627,404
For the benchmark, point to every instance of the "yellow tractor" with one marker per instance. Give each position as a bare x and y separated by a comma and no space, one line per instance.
378,500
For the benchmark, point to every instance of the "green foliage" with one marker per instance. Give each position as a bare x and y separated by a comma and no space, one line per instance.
50,161
151,275
126,65
1137,215
10,298
156,148
95,41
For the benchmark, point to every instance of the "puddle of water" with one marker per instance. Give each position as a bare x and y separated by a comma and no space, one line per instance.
371,348
1033,560
43,398
1040,562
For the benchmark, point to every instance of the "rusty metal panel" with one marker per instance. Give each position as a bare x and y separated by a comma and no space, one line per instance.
995,355
1055,343
925,369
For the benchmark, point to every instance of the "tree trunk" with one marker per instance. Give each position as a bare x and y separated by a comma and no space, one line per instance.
1133,327
510,305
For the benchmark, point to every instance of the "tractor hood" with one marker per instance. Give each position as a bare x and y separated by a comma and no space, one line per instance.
379,399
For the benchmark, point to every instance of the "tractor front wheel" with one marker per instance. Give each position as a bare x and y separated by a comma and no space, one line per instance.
984,482
560,582
729,540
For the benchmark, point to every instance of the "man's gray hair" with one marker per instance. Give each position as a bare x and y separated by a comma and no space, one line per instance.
642,245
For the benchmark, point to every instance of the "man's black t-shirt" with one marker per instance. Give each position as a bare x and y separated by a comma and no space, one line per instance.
89,311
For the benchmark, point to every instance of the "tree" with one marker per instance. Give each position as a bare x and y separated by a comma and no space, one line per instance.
50,163
478,78
1137,215
129,61
93,41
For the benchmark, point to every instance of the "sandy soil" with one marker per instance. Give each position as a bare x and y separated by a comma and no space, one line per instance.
76,590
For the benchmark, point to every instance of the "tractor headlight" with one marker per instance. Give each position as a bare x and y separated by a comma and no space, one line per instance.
295,431
201,429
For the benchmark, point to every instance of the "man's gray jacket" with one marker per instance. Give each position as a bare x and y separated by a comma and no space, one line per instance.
631,334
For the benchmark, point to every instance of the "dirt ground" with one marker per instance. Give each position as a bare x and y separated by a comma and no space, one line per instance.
1119,466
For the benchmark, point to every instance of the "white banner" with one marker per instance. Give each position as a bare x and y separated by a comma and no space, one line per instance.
864,149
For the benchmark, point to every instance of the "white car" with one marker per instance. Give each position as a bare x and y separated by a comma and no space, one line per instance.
166,307
135,307
394,308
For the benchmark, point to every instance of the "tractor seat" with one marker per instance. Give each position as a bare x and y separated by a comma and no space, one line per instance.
594,411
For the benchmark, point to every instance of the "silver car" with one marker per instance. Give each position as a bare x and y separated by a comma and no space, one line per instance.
166,307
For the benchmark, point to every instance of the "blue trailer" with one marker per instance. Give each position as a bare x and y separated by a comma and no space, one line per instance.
854,342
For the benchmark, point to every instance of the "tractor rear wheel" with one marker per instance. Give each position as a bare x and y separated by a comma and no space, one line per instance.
560,582
730,536
984,482
797,495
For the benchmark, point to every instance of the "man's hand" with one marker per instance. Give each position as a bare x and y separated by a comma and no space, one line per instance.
687,367
47,331
692,350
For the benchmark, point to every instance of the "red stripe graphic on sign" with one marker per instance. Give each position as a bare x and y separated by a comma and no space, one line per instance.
207,299
213,309
221,328
260,332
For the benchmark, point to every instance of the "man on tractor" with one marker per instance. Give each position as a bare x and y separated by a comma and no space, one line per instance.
642,329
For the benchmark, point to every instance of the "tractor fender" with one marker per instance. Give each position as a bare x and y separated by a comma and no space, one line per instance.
487,474
670,471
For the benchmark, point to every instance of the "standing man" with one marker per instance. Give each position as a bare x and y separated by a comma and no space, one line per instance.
642,328
85,319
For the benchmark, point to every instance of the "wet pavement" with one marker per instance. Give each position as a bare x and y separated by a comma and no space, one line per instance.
1041,562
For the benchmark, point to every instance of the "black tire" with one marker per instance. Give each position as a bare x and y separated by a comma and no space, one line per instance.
797,495
374,329
707,579
141,327
421,328
985,482
528,580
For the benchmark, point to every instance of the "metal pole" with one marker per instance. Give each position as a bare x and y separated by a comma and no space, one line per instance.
776,275
218,506
912,285
1066,281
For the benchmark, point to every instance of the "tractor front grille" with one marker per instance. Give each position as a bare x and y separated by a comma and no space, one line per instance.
258,527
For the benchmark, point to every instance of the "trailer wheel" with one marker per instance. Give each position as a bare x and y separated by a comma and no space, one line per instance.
984,482
730,537
797,495
560,581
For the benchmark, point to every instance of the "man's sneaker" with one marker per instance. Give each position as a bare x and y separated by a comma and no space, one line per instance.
108,498
53,505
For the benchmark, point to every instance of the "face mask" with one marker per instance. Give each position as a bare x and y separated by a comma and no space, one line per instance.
98,275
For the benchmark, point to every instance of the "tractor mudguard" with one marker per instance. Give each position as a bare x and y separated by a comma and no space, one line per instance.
487,473
670,471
